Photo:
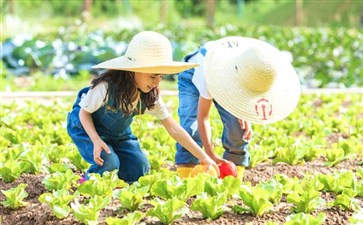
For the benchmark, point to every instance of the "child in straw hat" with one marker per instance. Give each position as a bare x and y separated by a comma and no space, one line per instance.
99,123
249,81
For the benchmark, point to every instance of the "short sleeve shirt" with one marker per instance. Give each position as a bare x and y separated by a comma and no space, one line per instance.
96,98
198,76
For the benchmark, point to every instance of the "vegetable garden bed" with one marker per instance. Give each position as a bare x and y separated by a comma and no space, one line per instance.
307,165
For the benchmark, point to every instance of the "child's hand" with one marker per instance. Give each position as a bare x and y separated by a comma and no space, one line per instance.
218,160
248,129
209,162
99,145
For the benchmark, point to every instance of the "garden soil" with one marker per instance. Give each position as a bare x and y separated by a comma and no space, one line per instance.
36,213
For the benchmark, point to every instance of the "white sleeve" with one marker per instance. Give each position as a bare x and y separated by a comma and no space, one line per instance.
160,110
198,76
94,98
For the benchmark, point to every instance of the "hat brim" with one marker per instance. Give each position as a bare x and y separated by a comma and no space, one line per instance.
256,107
123,63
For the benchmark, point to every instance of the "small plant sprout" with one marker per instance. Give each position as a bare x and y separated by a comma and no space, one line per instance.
129,219
15,196
88,214
131,197
58,202
168,211
306,196
101,185
59,180
305,219
211,207
255,198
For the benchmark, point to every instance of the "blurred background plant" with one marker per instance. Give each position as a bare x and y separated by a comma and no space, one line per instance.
52,45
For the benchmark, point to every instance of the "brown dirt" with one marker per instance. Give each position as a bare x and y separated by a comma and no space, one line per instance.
38,213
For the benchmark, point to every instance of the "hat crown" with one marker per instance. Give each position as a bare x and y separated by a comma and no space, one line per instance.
258,68
150,48
255,81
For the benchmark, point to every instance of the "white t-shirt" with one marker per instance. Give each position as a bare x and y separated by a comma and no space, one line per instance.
95,98
198,76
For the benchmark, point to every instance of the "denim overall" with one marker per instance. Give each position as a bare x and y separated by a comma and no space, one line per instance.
113,126
236,149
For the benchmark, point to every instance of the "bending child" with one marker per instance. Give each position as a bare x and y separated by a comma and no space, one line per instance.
249,81
99,123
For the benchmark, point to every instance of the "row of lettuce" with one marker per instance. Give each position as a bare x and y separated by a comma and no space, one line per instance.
327,127
163,195
323,57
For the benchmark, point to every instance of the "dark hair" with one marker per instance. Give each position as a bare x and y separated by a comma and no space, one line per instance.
122,87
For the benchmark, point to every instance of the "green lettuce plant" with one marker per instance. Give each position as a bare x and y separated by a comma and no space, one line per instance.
58,202
175,187
255,198
11,170
15,196
306,196
129,219
338,181
88,213
274,188
228,185
168,211
346,200
131,197
103,185
334,155
305,219
59,180
211,207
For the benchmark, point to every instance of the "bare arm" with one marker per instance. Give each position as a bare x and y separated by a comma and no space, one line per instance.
248,129
205,130
183,138
99,145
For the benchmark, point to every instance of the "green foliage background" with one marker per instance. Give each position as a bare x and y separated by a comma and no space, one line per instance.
326,46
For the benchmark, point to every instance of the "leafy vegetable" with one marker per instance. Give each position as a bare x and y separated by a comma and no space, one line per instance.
255,198
168,211
58,202
211,207
129,219
15,196
88,214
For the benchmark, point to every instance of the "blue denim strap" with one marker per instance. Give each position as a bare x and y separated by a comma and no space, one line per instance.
203,51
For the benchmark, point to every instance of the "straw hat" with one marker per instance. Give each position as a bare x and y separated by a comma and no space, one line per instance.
252,80
148,52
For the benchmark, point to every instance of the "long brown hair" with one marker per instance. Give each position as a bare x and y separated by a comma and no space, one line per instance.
122,87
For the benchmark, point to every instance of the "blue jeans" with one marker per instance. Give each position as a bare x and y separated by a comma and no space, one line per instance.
126,155
236,149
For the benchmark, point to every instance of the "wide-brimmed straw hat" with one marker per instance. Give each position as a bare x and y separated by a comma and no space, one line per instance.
252,80
148,52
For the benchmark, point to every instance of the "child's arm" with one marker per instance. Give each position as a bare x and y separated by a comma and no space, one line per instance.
99,145
248,129
183,138
205,130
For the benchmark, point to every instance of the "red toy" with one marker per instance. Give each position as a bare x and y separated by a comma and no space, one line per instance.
227,169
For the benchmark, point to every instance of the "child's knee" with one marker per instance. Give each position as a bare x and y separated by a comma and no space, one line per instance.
110,161
111,165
